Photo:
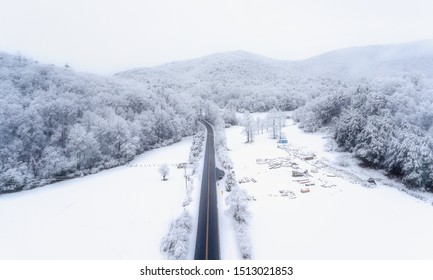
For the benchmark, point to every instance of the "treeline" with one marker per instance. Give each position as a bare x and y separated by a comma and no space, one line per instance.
56,123
238,81
255,99
285,95
387,123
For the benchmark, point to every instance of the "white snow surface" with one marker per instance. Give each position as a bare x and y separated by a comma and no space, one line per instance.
228,243
121,213
344,221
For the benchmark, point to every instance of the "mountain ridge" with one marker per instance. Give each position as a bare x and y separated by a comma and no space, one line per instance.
347,63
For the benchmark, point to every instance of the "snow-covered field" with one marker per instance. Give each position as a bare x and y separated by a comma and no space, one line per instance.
121,213
338,218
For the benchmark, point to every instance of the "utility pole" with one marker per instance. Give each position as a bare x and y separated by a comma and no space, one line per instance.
186,179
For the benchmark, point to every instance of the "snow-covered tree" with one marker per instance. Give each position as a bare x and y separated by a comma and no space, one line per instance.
259,124
272,119
348,127
164,170
248,124
231,181
373,140
82,147
55,163
229,116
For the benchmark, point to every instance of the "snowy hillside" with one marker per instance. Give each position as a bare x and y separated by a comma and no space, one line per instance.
238,67
57,123
239,80
370,61
241,68
246,81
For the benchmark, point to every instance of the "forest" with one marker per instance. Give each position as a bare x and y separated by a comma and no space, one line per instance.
386,122
56,123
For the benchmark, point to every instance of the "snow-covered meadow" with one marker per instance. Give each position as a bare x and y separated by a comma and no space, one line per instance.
121,213
338,218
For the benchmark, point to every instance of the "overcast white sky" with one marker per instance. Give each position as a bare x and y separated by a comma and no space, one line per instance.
105,36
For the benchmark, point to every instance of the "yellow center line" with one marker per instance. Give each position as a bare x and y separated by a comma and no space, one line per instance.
207,219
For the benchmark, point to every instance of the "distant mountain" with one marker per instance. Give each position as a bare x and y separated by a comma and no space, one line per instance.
243,68
370,61
236,67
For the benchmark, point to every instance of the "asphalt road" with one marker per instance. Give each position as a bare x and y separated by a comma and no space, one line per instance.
207,245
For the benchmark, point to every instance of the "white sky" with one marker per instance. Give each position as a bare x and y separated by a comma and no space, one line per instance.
105,36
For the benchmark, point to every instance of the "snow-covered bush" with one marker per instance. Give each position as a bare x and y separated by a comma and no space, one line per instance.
189,188
196,149
176,243
15,179
238,203
220,141
230,181
223,157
